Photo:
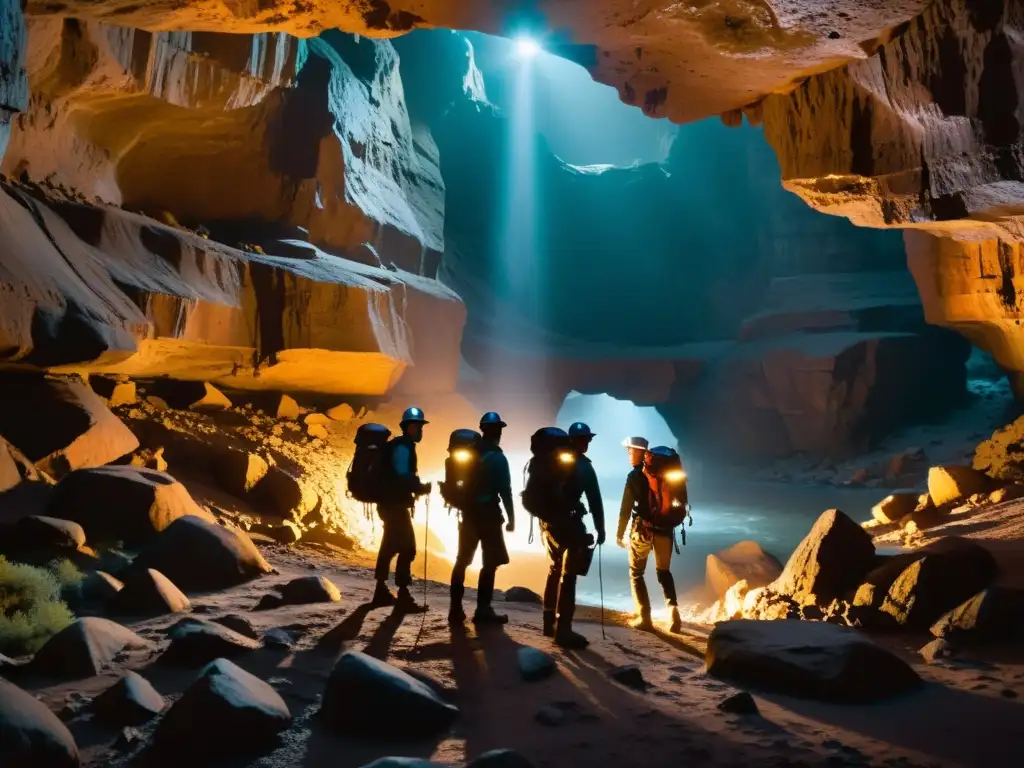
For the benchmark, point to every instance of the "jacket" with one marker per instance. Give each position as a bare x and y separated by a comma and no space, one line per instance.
636,500
404,468
584,482
496,479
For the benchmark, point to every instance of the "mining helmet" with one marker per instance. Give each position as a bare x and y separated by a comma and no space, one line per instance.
639,443
491,419
413,415
579,429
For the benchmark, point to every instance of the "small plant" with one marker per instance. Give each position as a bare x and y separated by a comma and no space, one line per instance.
31,610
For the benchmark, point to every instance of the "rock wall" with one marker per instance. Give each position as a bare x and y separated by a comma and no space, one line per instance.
13,82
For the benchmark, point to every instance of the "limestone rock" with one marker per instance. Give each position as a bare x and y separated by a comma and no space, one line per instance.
521,595
954,483
318,431
201,556
188,395
149,593
1000,456
829,563
362,690
99,588
131,701
118,503
895,507
499,758
343,412
935,650
30,734
195,642
38,532
14,467
117,393
61,425
84,648
283,495
212,400
937,582
313,419
1005,494
239,624
809,659
225,712
745,561
741,703
534,664
310,589
238,472
288,408
994,614
629,675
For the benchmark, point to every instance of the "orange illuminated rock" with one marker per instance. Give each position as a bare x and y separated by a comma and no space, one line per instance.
954,483
745,561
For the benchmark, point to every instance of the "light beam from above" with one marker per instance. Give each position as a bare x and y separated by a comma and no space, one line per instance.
526,47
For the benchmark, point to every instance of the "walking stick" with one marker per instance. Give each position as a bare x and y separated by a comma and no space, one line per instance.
600,581
426,554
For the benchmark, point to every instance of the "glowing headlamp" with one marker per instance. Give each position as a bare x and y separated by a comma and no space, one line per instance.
462,455
675,476
566,457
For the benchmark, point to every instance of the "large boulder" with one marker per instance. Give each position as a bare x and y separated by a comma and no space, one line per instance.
944,576
804,658
31,736
37,532
195,642
829,563
61,425
131,701
14,467
283,495
149,593
994,614
225,712
202,556
121,503
309,589
84,648
745,561
895,507
362,695
952,483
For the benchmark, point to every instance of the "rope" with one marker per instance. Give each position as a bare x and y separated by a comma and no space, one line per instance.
426,554
600,581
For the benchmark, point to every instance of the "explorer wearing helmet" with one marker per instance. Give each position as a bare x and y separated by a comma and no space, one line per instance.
568,547
396,515
481,527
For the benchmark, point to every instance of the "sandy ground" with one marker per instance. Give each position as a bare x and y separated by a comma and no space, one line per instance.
968,714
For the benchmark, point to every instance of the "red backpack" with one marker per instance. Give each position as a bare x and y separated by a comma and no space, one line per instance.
670,502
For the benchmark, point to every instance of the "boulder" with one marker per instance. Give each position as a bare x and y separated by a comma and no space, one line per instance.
362,695
130,701
225,712
84,648
238,624
534,664
309,589
31,736
14,467
195,642
188,395
318,431
1007,493
895,507
287,408
120,503
61,425
521,595
809,659
96,590
149,593
343,412
939,579
280,494
935,650
115,392
37,532
745,561
499,758
629,675
238,472
741,703
953,483
995,614
830,562
202,556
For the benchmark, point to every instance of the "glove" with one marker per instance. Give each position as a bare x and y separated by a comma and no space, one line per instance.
511,527
600,538
621,542
425,488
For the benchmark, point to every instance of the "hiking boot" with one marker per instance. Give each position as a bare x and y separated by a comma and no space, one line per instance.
488,616
456,615
549,623
407,603
382,596
566,638
642,622
677,623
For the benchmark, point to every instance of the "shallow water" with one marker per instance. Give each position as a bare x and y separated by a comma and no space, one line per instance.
777,516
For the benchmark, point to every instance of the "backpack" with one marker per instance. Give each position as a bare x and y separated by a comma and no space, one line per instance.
546,494
368,473
671,503
461,485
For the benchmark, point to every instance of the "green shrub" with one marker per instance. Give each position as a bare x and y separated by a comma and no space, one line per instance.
31,611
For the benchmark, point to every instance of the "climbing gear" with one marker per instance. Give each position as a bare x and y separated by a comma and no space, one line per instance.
546,475
413,415
579,429
491,419
367,474
462,470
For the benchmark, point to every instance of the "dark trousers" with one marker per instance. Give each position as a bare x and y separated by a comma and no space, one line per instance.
565,547
479,528
398,539
642,542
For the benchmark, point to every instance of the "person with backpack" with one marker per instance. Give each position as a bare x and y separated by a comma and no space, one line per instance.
655,496
568,544
402,486
481,523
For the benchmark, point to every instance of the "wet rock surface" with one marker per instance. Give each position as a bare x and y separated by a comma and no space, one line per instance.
30,734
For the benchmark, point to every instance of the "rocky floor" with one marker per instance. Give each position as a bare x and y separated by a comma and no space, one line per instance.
581,713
